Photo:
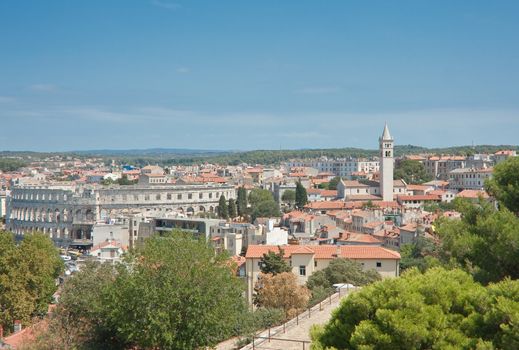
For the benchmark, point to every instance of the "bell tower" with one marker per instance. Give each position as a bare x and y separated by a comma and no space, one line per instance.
387,162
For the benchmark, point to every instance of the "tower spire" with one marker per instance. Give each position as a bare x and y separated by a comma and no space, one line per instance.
386,135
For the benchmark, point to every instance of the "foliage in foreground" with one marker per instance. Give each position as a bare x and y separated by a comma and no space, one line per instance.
28,273
175,293
485,242
504,185
339,270
439,309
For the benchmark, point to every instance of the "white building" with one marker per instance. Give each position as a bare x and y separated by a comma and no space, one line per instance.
387,164
469,178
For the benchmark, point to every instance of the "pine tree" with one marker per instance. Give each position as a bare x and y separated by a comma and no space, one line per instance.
223,212
242,201
301,195
232,208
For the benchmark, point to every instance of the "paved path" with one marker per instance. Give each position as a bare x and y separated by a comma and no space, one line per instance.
300,331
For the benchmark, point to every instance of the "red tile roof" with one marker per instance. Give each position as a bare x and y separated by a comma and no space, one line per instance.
326,251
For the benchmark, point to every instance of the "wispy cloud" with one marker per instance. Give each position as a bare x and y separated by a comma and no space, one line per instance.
166,4
317,90
43,87
183,70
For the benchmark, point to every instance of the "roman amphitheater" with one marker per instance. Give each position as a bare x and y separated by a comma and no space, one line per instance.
68,212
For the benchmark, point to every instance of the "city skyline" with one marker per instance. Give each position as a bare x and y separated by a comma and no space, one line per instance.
269,75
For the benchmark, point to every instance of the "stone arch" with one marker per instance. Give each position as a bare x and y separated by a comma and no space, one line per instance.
49,215
202,209
65,215
190,211
211,209
78,215
89,215
57,215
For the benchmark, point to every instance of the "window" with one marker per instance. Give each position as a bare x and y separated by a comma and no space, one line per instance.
315,263
179,196
168,196
210,195
157,197
200,195
302,270
190,196
379,264
146,197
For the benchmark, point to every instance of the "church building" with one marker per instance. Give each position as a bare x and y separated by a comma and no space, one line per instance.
386,188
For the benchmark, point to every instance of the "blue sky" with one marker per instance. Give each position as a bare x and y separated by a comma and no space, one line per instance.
257,74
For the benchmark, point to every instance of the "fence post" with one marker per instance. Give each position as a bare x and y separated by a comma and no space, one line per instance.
284,329
303,345
330,299
253,342
309,312
321,306
297,319
269,334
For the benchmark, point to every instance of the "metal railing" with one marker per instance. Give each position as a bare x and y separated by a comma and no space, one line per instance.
270,333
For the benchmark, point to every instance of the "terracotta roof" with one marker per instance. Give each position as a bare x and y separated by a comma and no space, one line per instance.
327,251
359,238
418,187
474,194
326,205
419,198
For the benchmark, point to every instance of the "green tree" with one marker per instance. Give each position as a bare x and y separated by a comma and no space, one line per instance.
258,195
41,263
178,295
80,320
241,201
332,185
289,196
412,172
232,208
223,211
423,253
301,195
504,185
340,271
11,164
27,277
266,209
485,241
274,263
438,309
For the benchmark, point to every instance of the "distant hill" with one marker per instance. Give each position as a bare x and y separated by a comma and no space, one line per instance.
181,156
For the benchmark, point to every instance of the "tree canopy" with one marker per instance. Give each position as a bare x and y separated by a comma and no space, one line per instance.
438,309
485,241
274,263
28,273
412,172
241,201
301,195
173,293
289,196
233,212
223,211
504,185
342,271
